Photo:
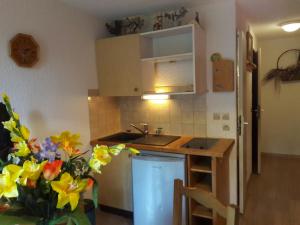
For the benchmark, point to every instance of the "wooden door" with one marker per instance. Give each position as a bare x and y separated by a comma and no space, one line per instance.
119,66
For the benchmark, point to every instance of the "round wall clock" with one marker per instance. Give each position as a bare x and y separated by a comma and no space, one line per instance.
24,50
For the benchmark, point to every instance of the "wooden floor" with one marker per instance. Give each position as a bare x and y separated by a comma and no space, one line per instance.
104,218
274,196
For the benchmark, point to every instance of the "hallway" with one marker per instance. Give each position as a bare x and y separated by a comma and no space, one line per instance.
274,196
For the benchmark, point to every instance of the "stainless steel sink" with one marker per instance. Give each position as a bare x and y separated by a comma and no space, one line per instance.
136,138
122,137
157,140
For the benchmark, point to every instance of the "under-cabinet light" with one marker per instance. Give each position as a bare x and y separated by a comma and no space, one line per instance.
291,26
156,97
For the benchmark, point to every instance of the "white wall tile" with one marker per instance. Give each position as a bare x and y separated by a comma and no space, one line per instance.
176,116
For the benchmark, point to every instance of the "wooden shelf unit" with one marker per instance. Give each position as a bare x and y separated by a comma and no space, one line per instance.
204,186
201,169
201,165
202,212
202,221
210,174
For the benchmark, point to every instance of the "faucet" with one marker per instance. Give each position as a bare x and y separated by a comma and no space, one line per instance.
145,131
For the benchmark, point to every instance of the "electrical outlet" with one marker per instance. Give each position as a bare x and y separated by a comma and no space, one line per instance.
225,116
226,127
216,116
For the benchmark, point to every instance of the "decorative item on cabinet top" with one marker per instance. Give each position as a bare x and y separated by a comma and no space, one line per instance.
24,50
129,25
157,21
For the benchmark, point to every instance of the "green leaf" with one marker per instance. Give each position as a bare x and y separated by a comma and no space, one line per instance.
58,220
77,217
70,222
18,219
95,193
80,217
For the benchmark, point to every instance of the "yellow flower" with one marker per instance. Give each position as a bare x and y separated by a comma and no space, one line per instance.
10,125
100,157
31,171
134,151
95,165
25,132
16,134
116,150
68,190
5,97
15,138
16,116
67,142
23,149
8,179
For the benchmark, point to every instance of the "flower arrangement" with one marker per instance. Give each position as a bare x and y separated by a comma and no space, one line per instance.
46,180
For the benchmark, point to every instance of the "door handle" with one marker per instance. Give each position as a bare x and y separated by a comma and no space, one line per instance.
246,123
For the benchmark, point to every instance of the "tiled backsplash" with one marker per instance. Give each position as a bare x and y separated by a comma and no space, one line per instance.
181,115
104,116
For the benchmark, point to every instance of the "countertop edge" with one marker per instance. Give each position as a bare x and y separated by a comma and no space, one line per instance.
219,150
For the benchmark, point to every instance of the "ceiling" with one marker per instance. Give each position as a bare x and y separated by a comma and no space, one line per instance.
111,9
266,15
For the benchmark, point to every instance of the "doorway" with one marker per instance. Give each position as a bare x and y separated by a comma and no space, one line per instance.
255,114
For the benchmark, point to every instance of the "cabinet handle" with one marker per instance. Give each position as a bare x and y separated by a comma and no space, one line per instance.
135,89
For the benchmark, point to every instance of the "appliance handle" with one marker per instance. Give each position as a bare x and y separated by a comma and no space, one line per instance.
147,157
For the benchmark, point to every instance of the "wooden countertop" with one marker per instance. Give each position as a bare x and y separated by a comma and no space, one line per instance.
218,150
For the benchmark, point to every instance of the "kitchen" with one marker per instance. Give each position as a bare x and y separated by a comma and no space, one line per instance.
161,114
68,77
206,90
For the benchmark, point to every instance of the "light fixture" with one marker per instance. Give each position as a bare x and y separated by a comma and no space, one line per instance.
156,97
290,26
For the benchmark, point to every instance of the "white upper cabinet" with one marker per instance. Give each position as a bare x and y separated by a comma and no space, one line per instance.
119,66
166,61
173,60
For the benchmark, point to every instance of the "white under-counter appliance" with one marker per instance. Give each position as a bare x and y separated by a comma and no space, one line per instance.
153,175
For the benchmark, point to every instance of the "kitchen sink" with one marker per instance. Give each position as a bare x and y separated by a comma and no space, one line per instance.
122,137
136,138
157,140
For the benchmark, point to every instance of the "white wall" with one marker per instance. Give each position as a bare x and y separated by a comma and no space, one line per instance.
219,22
52,96
280,119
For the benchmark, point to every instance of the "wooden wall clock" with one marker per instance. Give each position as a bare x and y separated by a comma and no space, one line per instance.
24,50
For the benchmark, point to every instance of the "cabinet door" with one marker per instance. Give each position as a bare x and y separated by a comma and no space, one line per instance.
119,66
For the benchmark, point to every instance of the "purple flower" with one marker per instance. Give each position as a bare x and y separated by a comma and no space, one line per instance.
49,151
